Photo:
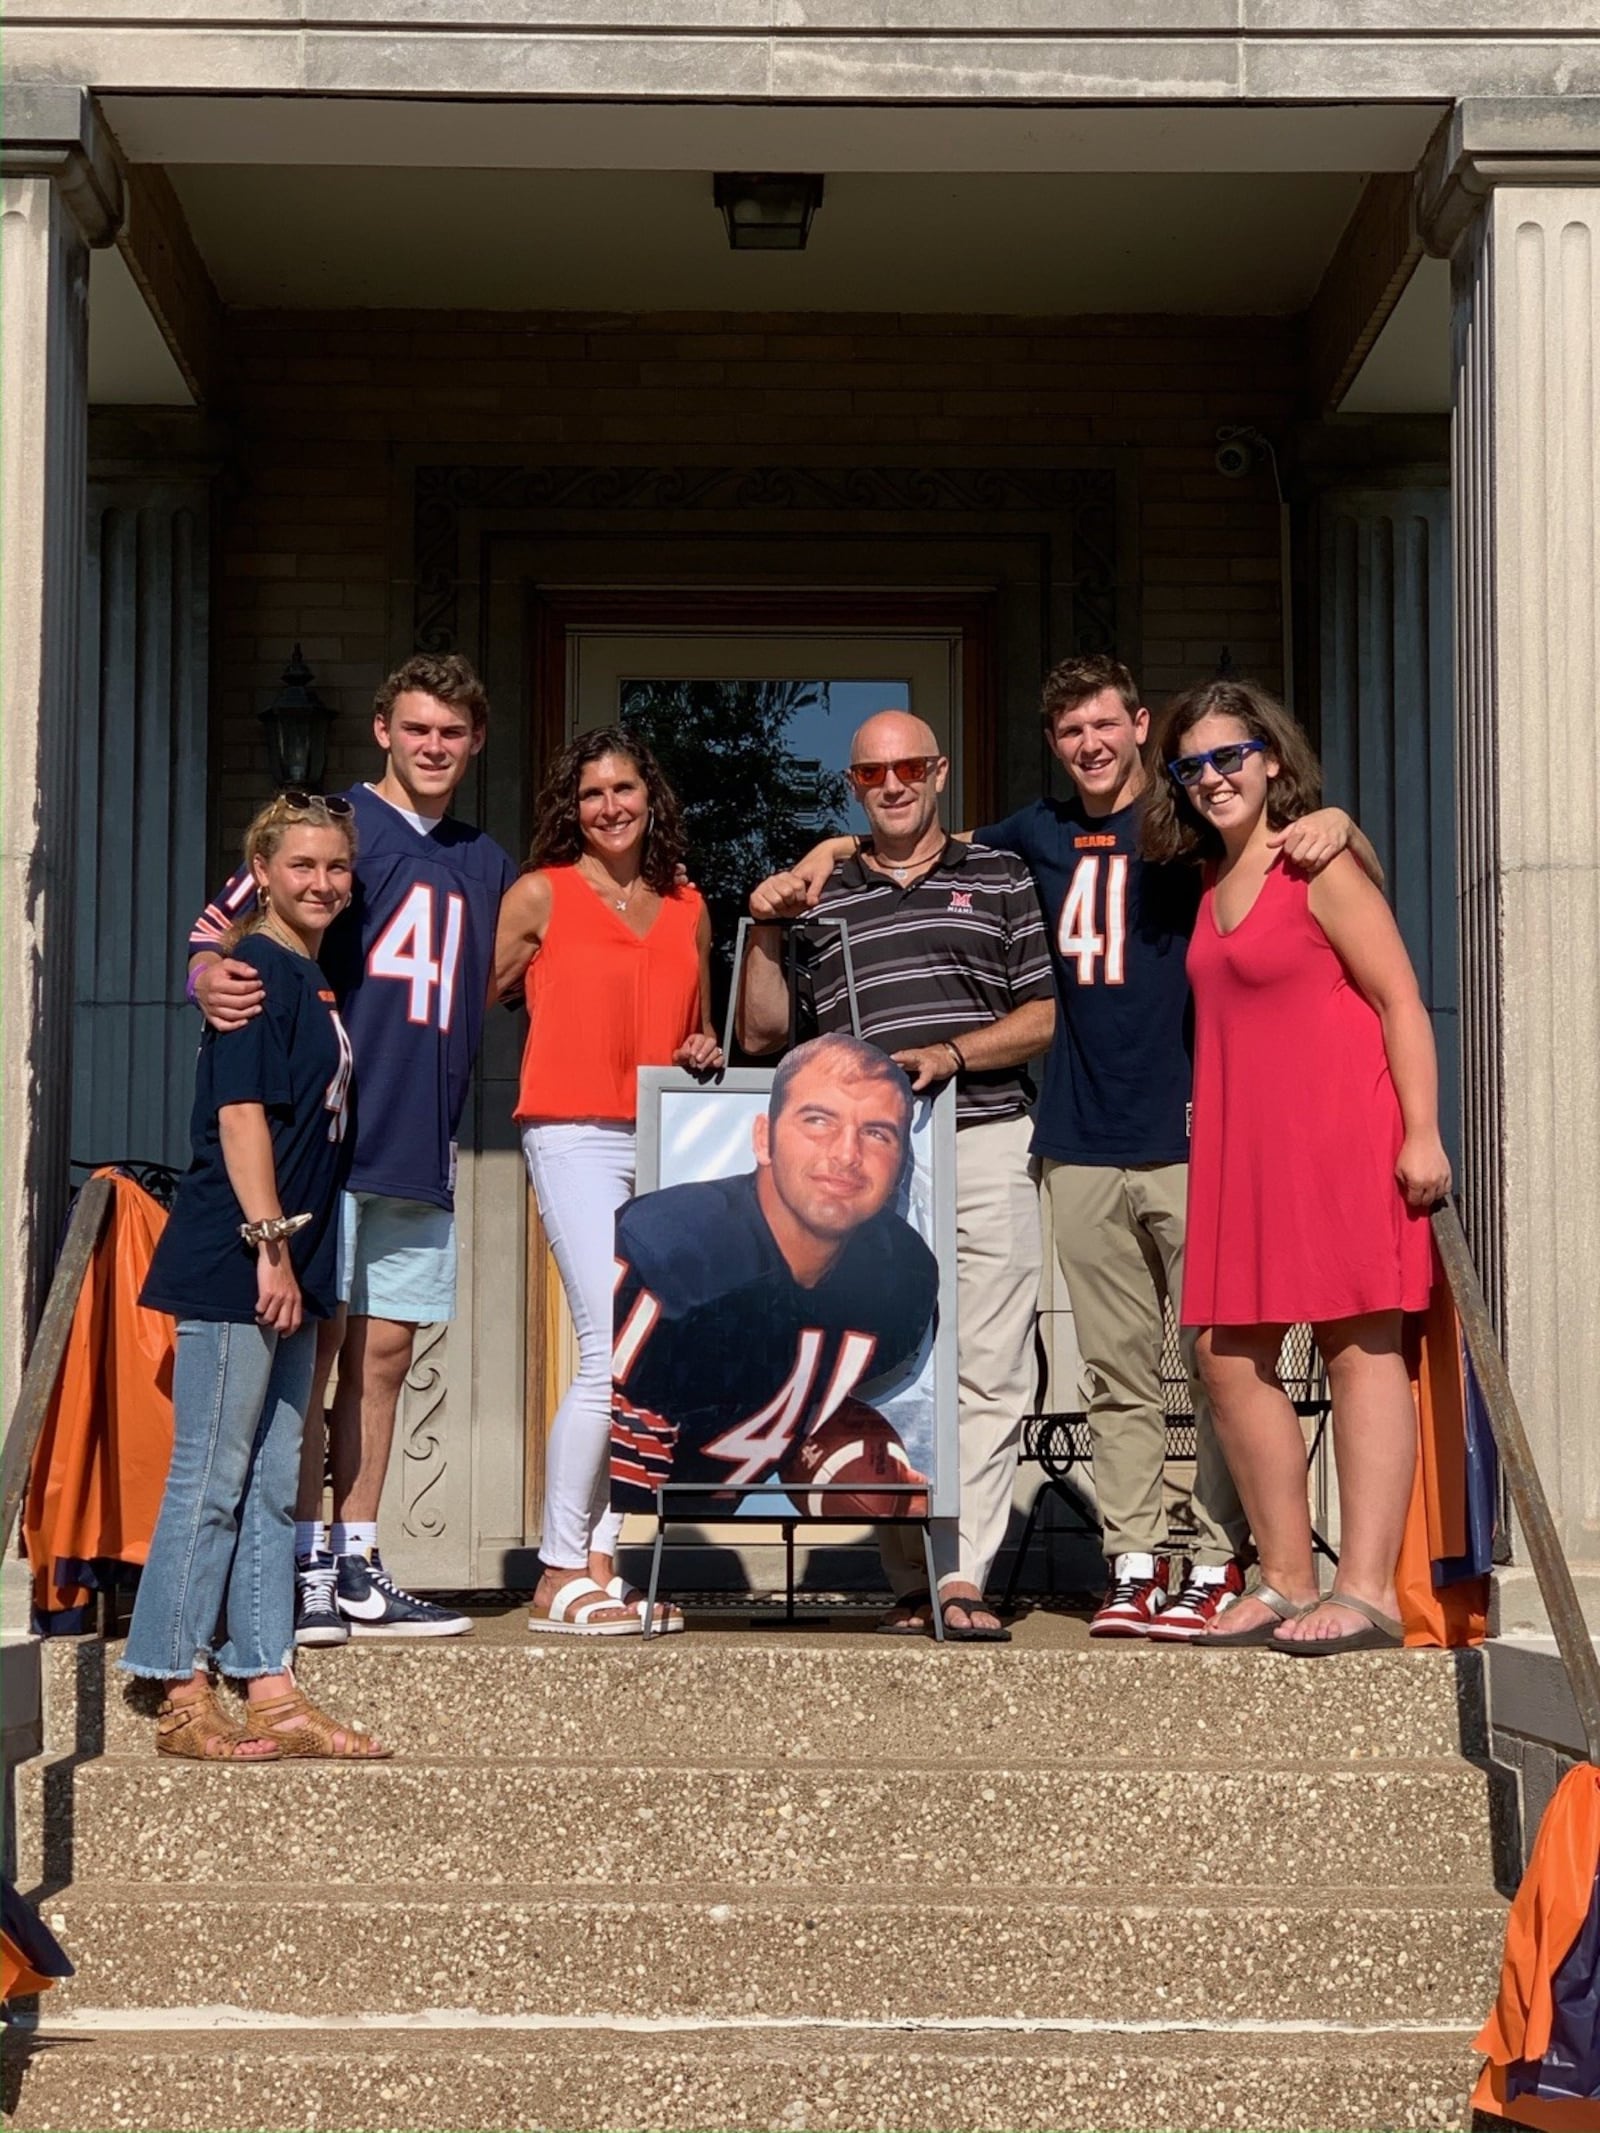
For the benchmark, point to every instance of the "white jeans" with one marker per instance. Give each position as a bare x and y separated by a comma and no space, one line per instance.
581,1174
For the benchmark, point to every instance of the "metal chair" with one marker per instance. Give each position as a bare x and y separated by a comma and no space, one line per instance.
1059,1441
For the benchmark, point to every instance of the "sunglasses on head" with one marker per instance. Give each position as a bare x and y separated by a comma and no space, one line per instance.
909,769
1190,769
334,804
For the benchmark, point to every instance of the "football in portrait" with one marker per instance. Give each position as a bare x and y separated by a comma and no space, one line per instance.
778,1317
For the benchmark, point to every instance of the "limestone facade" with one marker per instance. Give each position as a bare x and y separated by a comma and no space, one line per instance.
331,424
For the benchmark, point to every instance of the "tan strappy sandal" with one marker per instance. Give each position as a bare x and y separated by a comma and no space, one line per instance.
315,1735
199,1730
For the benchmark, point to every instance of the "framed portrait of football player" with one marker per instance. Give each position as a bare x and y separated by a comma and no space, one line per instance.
785,1319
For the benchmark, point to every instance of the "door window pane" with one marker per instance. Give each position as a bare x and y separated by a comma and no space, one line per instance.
758,768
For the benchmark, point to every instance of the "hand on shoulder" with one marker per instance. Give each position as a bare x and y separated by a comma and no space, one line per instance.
230,991
1313,841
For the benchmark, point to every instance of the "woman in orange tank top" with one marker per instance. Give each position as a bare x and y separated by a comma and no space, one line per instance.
615,957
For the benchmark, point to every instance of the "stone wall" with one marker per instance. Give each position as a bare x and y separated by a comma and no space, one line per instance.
330,411
1534,1729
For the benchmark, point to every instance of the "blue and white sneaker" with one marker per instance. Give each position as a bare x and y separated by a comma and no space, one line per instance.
317,1619
375,1606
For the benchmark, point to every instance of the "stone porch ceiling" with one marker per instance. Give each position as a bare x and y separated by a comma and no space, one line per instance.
319,203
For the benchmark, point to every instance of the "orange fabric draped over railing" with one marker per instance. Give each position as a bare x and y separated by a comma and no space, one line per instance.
1437,1524
101,1464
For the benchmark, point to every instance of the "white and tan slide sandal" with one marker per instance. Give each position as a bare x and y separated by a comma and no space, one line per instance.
573,1610
668,1618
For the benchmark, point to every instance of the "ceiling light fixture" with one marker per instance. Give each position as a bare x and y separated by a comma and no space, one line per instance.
767,211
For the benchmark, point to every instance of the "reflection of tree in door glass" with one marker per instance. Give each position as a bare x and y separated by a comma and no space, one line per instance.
751,802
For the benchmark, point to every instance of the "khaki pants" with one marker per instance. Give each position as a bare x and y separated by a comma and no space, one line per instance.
998,1252
1119,1236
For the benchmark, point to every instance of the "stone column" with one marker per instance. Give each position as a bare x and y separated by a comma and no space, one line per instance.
1387,717
140,852
1512,195
60,193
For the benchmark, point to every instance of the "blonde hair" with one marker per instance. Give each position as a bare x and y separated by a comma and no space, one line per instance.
267,832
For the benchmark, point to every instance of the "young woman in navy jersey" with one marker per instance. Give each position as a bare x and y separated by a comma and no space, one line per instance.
1314,1161
247,1267
616,956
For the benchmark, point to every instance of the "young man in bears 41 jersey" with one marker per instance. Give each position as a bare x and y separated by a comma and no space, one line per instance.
410,963
750,1309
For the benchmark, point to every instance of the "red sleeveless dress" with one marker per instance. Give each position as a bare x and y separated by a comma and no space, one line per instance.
1294,1210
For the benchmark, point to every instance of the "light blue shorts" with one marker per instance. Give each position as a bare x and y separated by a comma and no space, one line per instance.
397,1259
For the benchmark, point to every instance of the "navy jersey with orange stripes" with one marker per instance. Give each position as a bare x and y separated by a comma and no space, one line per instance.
723,1362
410,962
1115,1091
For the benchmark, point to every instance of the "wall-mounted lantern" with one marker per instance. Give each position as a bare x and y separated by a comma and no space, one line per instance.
296,724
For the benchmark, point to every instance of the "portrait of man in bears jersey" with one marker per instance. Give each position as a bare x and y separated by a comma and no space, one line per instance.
754,1310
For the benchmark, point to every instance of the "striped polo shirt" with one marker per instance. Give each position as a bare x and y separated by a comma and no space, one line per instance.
950,953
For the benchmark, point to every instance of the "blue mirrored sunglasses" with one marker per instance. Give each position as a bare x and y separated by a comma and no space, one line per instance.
1190,769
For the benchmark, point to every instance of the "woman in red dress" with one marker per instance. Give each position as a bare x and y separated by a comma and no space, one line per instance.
1314,1159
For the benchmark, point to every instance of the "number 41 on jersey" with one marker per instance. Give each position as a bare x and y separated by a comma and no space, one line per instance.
1089,932
409,949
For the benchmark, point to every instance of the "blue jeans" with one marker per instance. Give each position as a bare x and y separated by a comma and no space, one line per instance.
224,1543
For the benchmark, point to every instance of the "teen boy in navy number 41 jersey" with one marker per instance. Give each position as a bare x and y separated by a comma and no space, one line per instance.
410,964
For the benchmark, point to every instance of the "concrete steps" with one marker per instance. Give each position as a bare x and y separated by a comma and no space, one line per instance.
702,1699
786,2081
431,1824
721,1953
732,1882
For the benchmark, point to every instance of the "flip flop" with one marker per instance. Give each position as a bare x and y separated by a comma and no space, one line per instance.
1382,1633
970,1635
1265,1634
908,1629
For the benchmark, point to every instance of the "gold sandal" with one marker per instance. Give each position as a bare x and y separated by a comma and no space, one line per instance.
315,1736
194,1727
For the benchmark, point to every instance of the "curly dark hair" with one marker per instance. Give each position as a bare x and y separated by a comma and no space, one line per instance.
1172,829
444,675
557,839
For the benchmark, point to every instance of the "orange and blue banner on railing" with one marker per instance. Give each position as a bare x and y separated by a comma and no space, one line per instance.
1446,1555
1543,2039
101,1464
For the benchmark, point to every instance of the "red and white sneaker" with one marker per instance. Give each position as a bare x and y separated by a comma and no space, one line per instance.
1136,1595
1208,1591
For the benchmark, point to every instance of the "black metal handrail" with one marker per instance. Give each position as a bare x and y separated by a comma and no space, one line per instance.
1556,1588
